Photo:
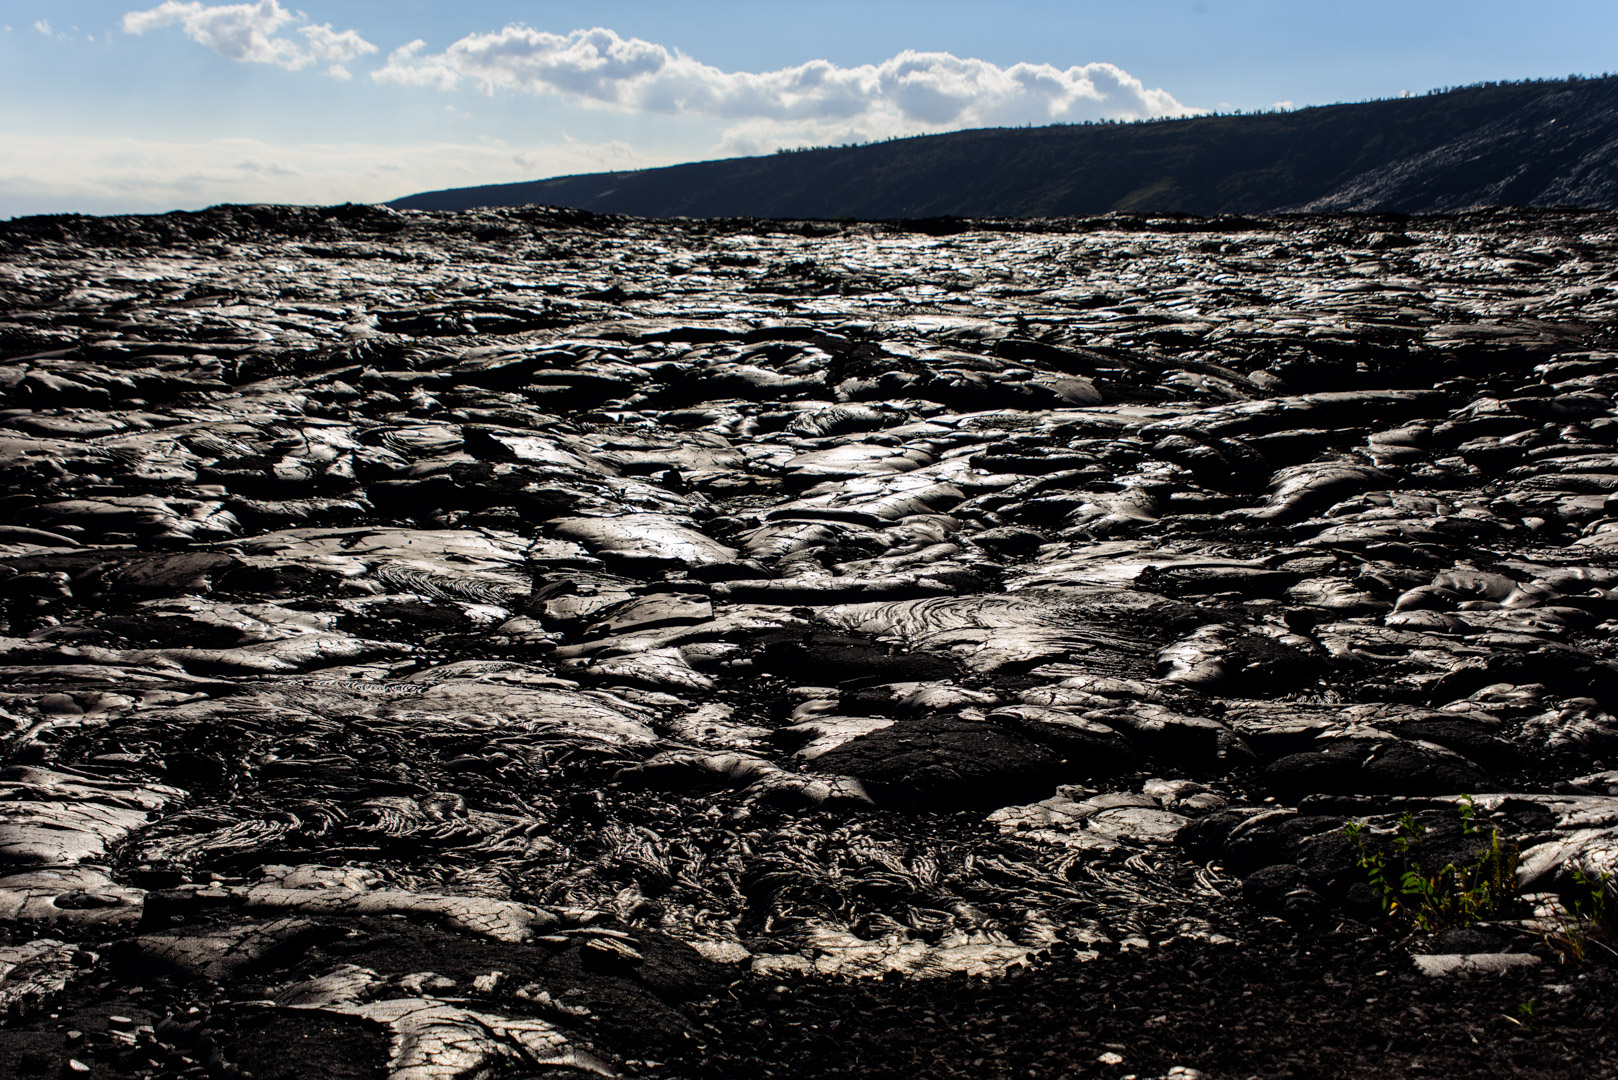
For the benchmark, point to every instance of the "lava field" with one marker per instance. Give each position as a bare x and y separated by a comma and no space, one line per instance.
533,643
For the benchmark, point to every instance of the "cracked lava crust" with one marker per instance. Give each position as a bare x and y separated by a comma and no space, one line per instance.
532,643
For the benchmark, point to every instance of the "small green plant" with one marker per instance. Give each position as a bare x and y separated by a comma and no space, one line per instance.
1449,897
1525,1017
1583,921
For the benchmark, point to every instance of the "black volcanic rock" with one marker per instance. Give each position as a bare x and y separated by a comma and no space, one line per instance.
942,761
1351,766
530,642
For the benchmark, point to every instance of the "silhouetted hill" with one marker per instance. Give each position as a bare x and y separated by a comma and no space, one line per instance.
1521,144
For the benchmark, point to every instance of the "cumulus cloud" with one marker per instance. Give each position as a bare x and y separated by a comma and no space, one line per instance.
102,174
252,33
910,93
338,46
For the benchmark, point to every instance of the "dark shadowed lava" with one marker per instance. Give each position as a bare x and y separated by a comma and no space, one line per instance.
527,643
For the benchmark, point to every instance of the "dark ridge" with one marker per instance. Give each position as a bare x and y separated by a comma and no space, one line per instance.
1499,144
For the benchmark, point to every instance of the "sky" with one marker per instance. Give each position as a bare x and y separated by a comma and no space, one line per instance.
147,106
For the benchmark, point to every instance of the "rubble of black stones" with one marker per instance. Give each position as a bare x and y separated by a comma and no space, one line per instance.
526,642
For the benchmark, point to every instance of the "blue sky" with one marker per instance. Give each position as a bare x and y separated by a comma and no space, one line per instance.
152,105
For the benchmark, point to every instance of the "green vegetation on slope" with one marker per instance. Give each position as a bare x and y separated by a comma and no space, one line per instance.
1532,144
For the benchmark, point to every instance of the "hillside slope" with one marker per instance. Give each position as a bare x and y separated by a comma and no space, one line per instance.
1529,144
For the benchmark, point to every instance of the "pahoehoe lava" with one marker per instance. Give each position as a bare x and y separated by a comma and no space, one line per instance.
528,642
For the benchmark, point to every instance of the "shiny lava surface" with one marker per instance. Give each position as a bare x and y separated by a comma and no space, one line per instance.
534,643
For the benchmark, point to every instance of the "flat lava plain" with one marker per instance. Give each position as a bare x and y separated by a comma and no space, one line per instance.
527,642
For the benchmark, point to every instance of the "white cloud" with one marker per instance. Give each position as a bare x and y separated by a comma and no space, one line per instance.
101,174
329,44
336,46
44,27
251,33
909,93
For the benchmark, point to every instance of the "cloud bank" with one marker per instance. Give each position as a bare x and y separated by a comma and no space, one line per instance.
712,111
98,174
910,93
818,101
251,33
